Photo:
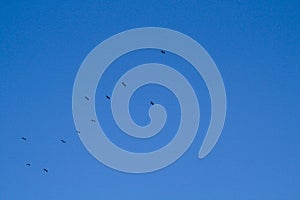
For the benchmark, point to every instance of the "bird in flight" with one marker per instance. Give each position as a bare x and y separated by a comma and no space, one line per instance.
163,52
77,131
107,97
28,164
87,98
123,84
46,170
63,141
152,103
92,120
24,138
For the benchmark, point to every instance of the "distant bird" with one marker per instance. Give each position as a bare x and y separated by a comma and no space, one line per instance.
107,97
123,84
63,141
152,103
46,170
87,98
163,52
28,164
92,120
77,131
24,138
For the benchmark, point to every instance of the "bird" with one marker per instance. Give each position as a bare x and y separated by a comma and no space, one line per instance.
92,120
46,170
28,164
123,84
77,131
163,52
63,141
107,97
152,103
87,98
24,138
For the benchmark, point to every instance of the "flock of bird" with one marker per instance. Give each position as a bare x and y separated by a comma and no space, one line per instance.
92,120
124,84
44,169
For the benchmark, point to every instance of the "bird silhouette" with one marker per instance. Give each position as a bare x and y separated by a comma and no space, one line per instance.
63,141
24,138
92,120
163,52
152,103
46,170
87,98
28,164
123,84
77,131
107,97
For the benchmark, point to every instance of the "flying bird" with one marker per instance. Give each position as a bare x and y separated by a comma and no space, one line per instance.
87,98
46,170
123,84
28,164
163,52
152,103
24,138
77,131
92,120
107,97
63,141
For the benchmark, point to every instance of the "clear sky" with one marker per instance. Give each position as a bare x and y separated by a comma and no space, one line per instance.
256,46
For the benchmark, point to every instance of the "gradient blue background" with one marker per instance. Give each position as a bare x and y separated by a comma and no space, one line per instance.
256,46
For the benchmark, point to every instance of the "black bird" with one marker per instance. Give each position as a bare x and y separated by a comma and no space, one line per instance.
46,170
152,103
77,131
63,141
123,84
28,164
92,120
87,98
24,138
163,52
107,97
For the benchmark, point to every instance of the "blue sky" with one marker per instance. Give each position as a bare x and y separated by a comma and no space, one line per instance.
256,47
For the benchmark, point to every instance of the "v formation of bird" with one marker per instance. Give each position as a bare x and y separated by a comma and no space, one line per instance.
92,120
